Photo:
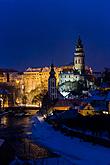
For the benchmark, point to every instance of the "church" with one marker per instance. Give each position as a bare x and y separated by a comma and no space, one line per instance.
77,78
74,82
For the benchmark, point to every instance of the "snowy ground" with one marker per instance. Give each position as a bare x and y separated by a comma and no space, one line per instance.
53,161
71,149
46,161
1,142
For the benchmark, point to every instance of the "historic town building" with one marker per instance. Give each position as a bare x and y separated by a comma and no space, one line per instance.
52,88
33,82
78,76
79,57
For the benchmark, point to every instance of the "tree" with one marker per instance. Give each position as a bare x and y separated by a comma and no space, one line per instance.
47,104
37,98
24,99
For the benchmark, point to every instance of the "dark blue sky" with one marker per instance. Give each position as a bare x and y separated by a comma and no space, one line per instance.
33,32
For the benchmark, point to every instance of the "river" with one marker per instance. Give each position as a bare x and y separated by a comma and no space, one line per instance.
16,131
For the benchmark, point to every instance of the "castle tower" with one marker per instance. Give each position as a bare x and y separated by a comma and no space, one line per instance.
52,90
79,57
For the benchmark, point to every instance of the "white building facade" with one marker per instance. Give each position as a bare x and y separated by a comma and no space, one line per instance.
70,79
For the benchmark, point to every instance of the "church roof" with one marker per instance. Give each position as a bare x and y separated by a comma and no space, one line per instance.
79,43
52,72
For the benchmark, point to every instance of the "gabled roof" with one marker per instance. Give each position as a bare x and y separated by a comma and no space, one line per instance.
84,104
96,108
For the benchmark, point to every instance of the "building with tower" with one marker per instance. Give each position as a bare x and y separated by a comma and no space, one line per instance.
79,57
78,77
33,82
52,89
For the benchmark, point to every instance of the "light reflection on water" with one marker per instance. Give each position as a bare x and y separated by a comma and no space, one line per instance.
4,120
14,121
17,135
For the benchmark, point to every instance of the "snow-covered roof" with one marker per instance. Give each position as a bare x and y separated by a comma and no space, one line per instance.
70,114
87,100
100,108
93,92
98,97
108,97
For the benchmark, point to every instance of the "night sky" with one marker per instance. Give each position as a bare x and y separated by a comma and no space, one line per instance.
35,32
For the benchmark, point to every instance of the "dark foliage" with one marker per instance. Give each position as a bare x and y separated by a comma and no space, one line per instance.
47,103
96,124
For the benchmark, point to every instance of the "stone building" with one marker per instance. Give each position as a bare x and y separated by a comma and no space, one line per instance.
35,81
70,79
52,89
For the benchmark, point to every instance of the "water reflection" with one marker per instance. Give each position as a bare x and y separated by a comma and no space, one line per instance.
3,120
17,135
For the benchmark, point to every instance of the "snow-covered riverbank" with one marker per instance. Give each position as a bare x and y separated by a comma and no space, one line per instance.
1,142
70,148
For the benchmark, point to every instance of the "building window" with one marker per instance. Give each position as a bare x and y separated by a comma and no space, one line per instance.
53,90
79,61
53,83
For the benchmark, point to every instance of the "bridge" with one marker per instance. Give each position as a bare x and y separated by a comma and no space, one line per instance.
29,109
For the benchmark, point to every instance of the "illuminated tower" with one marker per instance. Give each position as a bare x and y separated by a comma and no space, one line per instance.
52,90
79,57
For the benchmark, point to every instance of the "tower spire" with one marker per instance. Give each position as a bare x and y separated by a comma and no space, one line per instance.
52,72
52,90
79,56
79,43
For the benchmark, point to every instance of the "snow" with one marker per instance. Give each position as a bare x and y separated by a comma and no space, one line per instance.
16,161
1,142
71,149
98,97
45,161
108,97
